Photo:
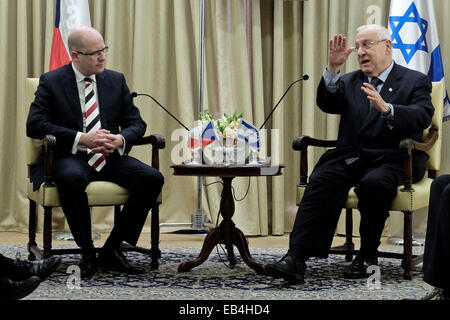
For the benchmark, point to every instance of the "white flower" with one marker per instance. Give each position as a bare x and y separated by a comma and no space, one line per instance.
229,133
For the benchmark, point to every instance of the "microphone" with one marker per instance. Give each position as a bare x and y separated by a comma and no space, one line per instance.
305,77
135,94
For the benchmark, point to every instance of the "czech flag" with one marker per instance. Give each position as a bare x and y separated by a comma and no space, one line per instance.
194,137
209,134
70,14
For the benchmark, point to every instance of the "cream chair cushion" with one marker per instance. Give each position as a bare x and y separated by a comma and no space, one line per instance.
100,193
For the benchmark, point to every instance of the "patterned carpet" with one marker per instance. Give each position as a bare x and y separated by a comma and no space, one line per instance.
214,280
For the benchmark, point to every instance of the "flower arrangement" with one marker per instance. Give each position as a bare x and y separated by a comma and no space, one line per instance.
235,138
227,126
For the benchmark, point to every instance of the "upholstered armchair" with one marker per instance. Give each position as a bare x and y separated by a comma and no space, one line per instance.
410,197
100,193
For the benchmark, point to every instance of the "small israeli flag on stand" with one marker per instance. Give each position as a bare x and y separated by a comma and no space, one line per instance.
250,135
415,40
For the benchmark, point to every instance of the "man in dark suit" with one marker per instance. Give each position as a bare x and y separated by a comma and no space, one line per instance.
436,259
90,111
374,119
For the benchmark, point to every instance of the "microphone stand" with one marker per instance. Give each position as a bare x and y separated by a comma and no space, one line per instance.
253,158
197,219
134,94
305,77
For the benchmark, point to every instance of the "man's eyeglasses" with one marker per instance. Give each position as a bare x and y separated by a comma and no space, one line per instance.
95,54
368,44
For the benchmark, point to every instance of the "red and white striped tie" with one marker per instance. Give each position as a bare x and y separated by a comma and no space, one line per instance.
92,115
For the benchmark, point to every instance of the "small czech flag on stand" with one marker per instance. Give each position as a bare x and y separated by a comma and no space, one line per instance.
209,134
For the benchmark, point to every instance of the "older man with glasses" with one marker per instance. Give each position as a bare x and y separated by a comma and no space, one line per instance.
380,104
89,109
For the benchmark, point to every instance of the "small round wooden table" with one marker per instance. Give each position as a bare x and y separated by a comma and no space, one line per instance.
226,233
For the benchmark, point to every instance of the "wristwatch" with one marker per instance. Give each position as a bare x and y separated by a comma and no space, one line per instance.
387,113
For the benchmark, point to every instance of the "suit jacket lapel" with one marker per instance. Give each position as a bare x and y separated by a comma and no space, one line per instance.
391,85
73,98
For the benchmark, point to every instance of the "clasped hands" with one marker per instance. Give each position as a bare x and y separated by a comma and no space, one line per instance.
102,141
337,55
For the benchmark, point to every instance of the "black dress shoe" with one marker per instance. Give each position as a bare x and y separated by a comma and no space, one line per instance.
14,290
358,268
88,265
289,268
115,259
43,268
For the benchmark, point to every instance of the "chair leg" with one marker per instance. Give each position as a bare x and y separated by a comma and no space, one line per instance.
349,234
32,222
348,248
47,232
407,245
154,234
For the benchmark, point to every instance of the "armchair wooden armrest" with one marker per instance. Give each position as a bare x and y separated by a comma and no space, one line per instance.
407,146
301,143
158,142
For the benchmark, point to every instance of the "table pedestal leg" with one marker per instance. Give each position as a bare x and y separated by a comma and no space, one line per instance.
226,233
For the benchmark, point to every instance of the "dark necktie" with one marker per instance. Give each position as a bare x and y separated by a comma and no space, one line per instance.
375,82
92,115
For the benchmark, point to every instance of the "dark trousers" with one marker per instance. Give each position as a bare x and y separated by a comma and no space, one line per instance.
436,260
325,196
73,174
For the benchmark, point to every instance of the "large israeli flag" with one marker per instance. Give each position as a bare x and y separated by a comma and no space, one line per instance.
415,40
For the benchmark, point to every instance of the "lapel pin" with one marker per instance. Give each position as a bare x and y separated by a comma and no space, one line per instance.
390,89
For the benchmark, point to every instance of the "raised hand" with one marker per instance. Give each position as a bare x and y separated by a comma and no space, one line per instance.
338,53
